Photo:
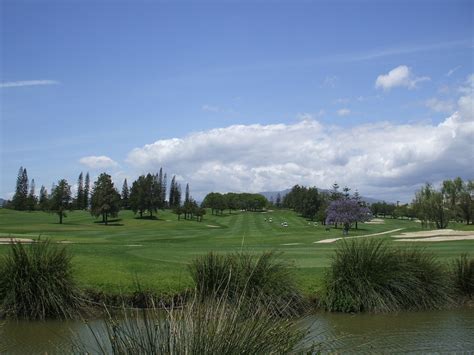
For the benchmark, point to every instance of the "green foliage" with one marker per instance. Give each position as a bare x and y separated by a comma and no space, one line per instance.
60,200
218,202
264,277
370,276
210,327
20,198
36,282
105,199
147,194
463,270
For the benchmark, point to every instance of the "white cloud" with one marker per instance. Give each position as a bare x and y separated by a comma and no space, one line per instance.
440,105
330,81
399,76
386,160
11,84
98,162
343,112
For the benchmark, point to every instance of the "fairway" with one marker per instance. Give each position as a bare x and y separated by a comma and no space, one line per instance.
156,252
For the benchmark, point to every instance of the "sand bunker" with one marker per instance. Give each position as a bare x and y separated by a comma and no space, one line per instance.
438,235
332,240
211,226
15,240
375,221
292,244
439,239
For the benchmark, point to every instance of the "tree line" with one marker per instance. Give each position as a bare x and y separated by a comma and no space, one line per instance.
147,195
231,201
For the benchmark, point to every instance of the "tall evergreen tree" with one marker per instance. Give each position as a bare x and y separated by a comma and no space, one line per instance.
43,198
105,199
186,196
60,200
32,200
163,190
80,192
125,195
20,197
87,187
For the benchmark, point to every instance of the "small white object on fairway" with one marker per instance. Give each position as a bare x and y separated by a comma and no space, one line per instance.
292,244
211,226
332,240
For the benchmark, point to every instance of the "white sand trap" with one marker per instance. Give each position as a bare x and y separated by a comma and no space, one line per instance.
433,233
332,240
212,226
439,239
15,240
292,244
375,221
438,235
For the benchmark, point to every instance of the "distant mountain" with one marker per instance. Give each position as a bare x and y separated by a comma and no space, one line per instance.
273,194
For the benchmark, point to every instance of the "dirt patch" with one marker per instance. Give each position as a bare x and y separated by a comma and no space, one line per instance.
332,240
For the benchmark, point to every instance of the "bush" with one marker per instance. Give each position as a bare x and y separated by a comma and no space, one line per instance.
463,270
264,277
36,282
209,327
369,276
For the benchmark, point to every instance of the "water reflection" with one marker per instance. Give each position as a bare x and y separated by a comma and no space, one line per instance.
434,331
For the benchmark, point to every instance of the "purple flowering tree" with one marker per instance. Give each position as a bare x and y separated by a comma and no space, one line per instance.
347,212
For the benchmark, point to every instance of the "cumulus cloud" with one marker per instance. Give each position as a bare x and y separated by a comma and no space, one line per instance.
98,162
399,76
11,84
386,160
343,112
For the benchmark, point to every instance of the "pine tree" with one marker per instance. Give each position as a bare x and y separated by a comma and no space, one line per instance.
87,186
43,199
20,198
163,191
186,196
60,200
32,199
171,202
105,199
80,192
125,195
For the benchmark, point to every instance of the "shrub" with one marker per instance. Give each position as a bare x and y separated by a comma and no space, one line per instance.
463,270
369,276
209,327
36,282
263,277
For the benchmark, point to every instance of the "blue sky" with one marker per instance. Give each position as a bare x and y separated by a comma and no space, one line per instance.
129,86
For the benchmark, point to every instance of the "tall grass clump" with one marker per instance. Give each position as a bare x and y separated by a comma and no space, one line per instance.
36,282
210,327
463,271
264,277
370,276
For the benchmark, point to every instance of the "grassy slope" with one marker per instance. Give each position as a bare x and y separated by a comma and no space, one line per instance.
104,258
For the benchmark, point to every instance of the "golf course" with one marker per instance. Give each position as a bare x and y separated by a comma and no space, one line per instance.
156,252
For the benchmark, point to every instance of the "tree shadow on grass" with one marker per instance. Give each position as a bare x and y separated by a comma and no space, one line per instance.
111,222
151,218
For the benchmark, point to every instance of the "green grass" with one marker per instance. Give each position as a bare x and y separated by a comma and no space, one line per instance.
104,260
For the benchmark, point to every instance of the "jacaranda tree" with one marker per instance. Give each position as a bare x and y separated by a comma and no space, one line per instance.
346,212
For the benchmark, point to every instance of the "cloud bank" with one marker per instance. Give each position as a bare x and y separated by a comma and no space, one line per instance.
381,159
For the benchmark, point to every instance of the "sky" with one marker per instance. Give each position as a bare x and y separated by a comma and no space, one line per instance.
239,95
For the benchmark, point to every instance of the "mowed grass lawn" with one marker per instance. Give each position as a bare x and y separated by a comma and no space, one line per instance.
156,252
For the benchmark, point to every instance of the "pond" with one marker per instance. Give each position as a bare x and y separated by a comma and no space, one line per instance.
430,331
